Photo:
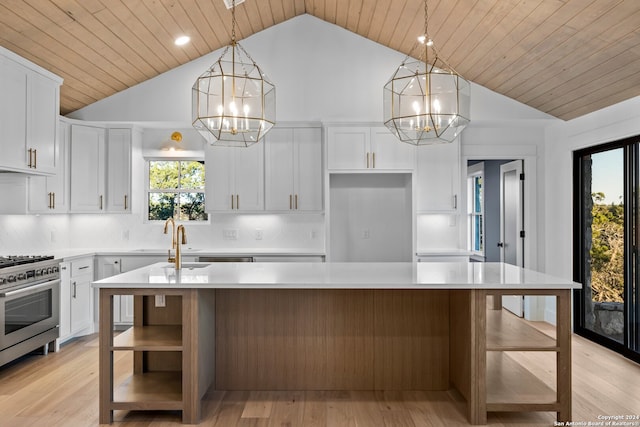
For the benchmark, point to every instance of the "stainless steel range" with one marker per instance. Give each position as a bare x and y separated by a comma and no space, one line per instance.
29,305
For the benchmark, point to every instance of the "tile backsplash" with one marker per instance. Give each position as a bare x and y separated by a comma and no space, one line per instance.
32,234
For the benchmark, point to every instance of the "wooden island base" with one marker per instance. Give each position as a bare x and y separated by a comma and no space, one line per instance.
328,339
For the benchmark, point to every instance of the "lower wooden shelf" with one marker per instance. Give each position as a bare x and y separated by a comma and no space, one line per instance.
151,338
150,390
512,387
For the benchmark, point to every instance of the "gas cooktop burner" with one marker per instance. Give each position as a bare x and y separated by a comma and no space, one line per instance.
10,261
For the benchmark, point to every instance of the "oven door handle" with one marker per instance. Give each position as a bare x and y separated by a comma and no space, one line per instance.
29,289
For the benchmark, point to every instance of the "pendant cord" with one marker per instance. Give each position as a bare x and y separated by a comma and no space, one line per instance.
233,22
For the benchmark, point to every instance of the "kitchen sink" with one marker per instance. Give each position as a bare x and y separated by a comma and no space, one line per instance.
191,265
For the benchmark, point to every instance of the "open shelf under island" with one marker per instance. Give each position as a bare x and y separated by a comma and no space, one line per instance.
330,326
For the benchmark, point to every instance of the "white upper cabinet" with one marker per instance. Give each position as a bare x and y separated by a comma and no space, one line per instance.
388,152
438,177
50,194
100,169
235,178
42,122
88,154
119,170
29,106
360,147
293,170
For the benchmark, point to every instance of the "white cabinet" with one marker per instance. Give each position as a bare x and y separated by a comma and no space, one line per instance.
289,258
357,148
122,304
88,153
438,177
110,266
293,169
50,194
235,178
29,105
100,169
76,298
119,170
42,122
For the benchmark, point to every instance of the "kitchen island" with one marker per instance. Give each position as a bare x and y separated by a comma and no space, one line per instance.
330,326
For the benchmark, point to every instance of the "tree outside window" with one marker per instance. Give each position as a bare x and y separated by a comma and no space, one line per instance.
176,190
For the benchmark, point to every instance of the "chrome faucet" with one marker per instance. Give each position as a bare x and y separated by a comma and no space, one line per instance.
173,236
179,242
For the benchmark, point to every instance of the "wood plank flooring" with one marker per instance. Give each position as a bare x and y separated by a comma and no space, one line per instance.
61,389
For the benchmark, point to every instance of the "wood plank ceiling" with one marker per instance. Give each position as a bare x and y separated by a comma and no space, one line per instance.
564,57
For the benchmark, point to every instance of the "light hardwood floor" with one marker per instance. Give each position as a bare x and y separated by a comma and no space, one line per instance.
61,389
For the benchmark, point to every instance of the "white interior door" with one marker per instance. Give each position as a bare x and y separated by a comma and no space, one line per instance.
511,226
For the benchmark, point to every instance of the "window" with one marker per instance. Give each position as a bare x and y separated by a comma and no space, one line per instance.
475,208
176,190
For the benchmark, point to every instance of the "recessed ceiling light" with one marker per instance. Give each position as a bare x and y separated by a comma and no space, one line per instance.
182,40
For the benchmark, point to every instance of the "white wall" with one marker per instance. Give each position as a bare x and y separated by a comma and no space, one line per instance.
610,124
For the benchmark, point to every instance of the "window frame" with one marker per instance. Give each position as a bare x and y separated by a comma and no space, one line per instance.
148,190
474,171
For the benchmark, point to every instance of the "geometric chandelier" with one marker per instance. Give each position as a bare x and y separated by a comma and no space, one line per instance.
425,100
233,102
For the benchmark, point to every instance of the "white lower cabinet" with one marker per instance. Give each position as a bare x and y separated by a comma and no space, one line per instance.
289,258
110,266
76,298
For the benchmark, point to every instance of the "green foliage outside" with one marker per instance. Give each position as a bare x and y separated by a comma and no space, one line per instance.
180,190
607,250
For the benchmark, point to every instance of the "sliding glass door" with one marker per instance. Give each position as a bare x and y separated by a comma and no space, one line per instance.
606,217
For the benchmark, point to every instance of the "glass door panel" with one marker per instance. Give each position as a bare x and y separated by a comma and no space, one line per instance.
603,234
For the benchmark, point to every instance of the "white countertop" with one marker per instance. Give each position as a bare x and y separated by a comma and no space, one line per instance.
284,275
68,254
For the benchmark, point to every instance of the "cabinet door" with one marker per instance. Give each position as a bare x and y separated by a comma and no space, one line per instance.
87,169
80,303
119,170
438,180
65,300
218,169
126,310
388,152
307,169
42,121
248,179
348,148
279,167
49,194
13,115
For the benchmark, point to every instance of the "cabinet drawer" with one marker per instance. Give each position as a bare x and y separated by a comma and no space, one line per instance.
82,266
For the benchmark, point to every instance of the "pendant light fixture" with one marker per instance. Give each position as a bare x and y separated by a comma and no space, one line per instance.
426,101
234,103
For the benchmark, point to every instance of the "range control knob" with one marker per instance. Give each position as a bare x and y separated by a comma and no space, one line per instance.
39,272
56,269
3,280
11,279
22,276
